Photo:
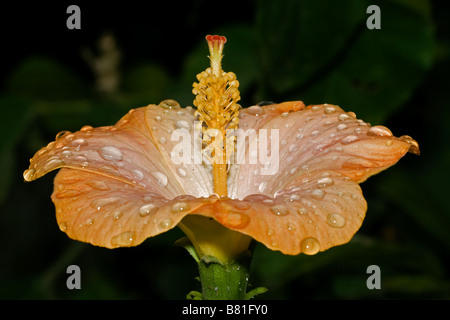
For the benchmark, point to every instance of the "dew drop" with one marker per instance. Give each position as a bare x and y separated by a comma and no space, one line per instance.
329,110
300,136
270,232
262,186
301,211
343,117
349,139
147,209
310,246
294,197
291,226
158,118
318,194
315,108
315,133
234,219
99,203
181,172
66,153
241,205
335,220
255,110
162,140
87,128
165,224
79,142
179,207
62,134
99,185
389,143
324,182
53,163
62,226
111,153
285,114
117,215
138,175
124,239
183,124
169,104
161,178
293,147
342,126
29,174
279,210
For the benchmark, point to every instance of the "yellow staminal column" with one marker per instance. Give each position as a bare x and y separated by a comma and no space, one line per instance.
216,100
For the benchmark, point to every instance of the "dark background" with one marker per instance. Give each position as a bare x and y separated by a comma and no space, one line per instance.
315,51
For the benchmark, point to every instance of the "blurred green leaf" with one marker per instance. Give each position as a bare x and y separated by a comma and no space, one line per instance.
146,83
43,78
327,54
17,115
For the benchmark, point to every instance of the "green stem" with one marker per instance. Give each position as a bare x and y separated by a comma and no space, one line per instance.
224,281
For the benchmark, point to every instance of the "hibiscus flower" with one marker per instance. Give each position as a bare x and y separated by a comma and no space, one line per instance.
286,175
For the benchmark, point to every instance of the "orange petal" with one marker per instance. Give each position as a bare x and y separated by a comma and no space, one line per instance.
107,212
317,211
133,151
319,137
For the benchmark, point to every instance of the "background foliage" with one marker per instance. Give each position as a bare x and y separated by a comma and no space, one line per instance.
316,51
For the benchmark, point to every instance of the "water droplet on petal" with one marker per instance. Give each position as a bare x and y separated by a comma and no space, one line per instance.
53,163
62,226
240,205
161,178
343,117
293,147
389,143
169,104
342,126
318,194
99,203
87,128
138,175
165,224
255,110
181,172
147,209
291,226
123,239
79,142
329,110
179,207
310,246
233,219
162,140
183,124
349,139
262,186
279,210
111,153
29,174
285,114
99,185
335,220
324,182
62,134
